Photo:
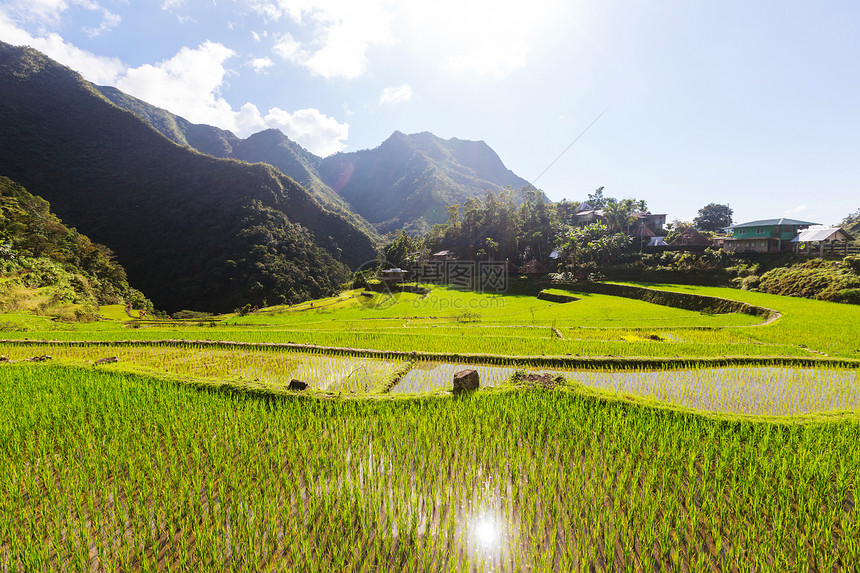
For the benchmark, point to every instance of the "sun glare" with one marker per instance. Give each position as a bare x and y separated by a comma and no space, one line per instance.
487,531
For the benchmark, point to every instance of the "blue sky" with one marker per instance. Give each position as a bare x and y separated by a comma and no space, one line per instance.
754,104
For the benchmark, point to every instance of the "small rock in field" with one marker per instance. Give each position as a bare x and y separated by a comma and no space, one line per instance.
296,384
106,360
466,380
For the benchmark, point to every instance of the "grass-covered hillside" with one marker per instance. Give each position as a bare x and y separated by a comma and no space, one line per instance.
49,269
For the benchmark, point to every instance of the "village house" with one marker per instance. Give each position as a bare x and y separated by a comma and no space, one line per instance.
443,256
393,276
764,236
690,240
533,269
587,214
654,221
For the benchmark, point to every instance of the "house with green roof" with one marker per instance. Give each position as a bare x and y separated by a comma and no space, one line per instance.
764,236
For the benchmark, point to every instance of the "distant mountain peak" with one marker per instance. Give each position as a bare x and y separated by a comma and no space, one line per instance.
409,180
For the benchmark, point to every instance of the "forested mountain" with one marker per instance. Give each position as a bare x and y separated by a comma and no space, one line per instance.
191,230
404,183
409,180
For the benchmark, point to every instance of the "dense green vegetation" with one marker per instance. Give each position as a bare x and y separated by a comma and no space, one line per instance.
47,268
851,223
821,279
192,231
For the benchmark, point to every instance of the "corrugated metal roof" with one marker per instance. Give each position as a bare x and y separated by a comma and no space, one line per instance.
769,222
821,234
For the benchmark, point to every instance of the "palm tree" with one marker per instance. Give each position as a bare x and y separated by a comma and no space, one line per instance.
619,215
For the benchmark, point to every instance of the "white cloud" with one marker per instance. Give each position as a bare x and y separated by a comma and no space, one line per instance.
476,39
480,38
188,84
319,133
288,48
397,94
341,33
245,121
45,15
97,69
171,4
108,23
268,10
260,64
797,210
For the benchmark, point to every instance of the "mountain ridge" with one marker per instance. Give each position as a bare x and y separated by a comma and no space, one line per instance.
268,146
421,174
405,182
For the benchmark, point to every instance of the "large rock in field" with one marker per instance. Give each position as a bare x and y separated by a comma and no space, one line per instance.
466,380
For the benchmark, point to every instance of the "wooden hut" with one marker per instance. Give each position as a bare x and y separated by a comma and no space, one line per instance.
690,240
533,269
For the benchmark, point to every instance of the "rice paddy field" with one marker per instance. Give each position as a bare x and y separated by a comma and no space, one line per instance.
609,435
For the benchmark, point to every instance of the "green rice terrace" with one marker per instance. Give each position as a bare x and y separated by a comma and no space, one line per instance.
616,428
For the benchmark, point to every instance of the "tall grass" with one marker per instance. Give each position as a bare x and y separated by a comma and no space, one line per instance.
274,367
124,472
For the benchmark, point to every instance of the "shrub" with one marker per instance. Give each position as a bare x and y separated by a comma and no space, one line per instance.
821,279
850,295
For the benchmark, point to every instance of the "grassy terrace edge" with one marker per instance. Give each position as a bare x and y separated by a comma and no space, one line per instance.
584,362
682,300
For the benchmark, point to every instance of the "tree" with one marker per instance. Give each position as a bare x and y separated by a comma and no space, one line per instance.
619,215
851,223
596,199
594,243
566,211
713,217
399,248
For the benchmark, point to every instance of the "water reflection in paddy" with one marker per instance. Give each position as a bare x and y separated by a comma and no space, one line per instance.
742,390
